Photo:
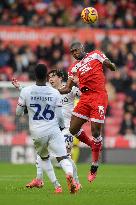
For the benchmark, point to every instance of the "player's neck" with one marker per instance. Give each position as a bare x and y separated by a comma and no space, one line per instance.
84,54
39,83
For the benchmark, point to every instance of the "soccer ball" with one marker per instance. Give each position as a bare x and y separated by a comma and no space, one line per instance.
89,15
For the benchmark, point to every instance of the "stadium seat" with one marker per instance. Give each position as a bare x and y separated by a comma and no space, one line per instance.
121,142
20,138
121,97
111,131
13,103
8,123
23,77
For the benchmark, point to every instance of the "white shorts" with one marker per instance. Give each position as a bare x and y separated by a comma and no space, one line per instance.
68,139
52,143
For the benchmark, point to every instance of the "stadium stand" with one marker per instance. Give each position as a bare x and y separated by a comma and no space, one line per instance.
42,13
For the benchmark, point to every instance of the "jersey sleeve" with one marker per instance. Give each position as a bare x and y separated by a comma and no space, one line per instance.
22,100
101,56
75,91
72,70
70,73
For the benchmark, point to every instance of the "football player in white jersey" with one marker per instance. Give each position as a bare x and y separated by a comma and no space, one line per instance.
45,117
55,79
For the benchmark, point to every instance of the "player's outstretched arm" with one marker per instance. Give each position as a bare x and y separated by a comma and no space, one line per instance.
108,64
16,84
68,87
20,110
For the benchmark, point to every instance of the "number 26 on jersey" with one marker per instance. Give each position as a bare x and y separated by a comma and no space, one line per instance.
47,113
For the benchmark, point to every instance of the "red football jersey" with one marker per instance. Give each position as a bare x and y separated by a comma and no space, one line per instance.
89,71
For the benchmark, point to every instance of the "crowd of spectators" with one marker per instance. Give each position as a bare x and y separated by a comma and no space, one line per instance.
43,13
19,61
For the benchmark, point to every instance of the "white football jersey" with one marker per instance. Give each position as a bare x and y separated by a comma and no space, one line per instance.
68,104
41,102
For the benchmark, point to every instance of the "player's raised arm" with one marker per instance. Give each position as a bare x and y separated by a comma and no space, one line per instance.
21,107
108,64
105,61
16,84
68,87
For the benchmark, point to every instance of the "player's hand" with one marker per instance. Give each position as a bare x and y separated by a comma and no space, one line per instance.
113,67
15,83
108,64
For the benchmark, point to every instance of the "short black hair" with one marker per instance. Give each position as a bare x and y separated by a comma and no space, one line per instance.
76,45
59,73
41,72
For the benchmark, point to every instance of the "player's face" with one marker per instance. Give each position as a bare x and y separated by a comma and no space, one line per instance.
77,53
54,80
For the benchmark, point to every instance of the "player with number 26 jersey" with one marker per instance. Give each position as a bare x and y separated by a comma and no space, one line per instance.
41,102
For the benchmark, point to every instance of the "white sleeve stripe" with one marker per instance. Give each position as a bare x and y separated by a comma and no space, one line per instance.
99,57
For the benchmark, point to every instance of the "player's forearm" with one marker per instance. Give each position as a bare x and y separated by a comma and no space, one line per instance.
64,90
20,87
110,65
68,87
19,110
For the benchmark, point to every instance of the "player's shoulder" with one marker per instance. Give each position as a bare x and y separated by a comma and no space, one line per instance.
72,69
25,91
98,55
95,52
71,66
53,90
27,88
74,63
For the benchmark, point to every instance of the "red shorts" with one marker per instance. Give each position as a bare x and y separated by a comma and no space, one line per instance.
92,106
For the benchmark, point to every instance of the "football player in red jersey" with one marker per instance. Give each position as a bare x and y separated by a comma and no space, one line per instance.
93,101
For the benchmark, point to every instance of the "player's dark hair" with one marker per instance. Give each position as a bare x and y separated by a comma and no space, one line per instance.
76,45
59,73
41,72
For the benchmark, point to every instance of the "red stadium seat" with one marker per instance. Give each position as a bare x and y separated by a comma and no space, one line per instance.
13,103
121,97
121,143
20,138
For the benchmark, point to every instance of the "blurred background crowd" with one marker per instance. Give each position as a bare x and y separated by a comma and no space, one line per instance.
20,60
39,13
